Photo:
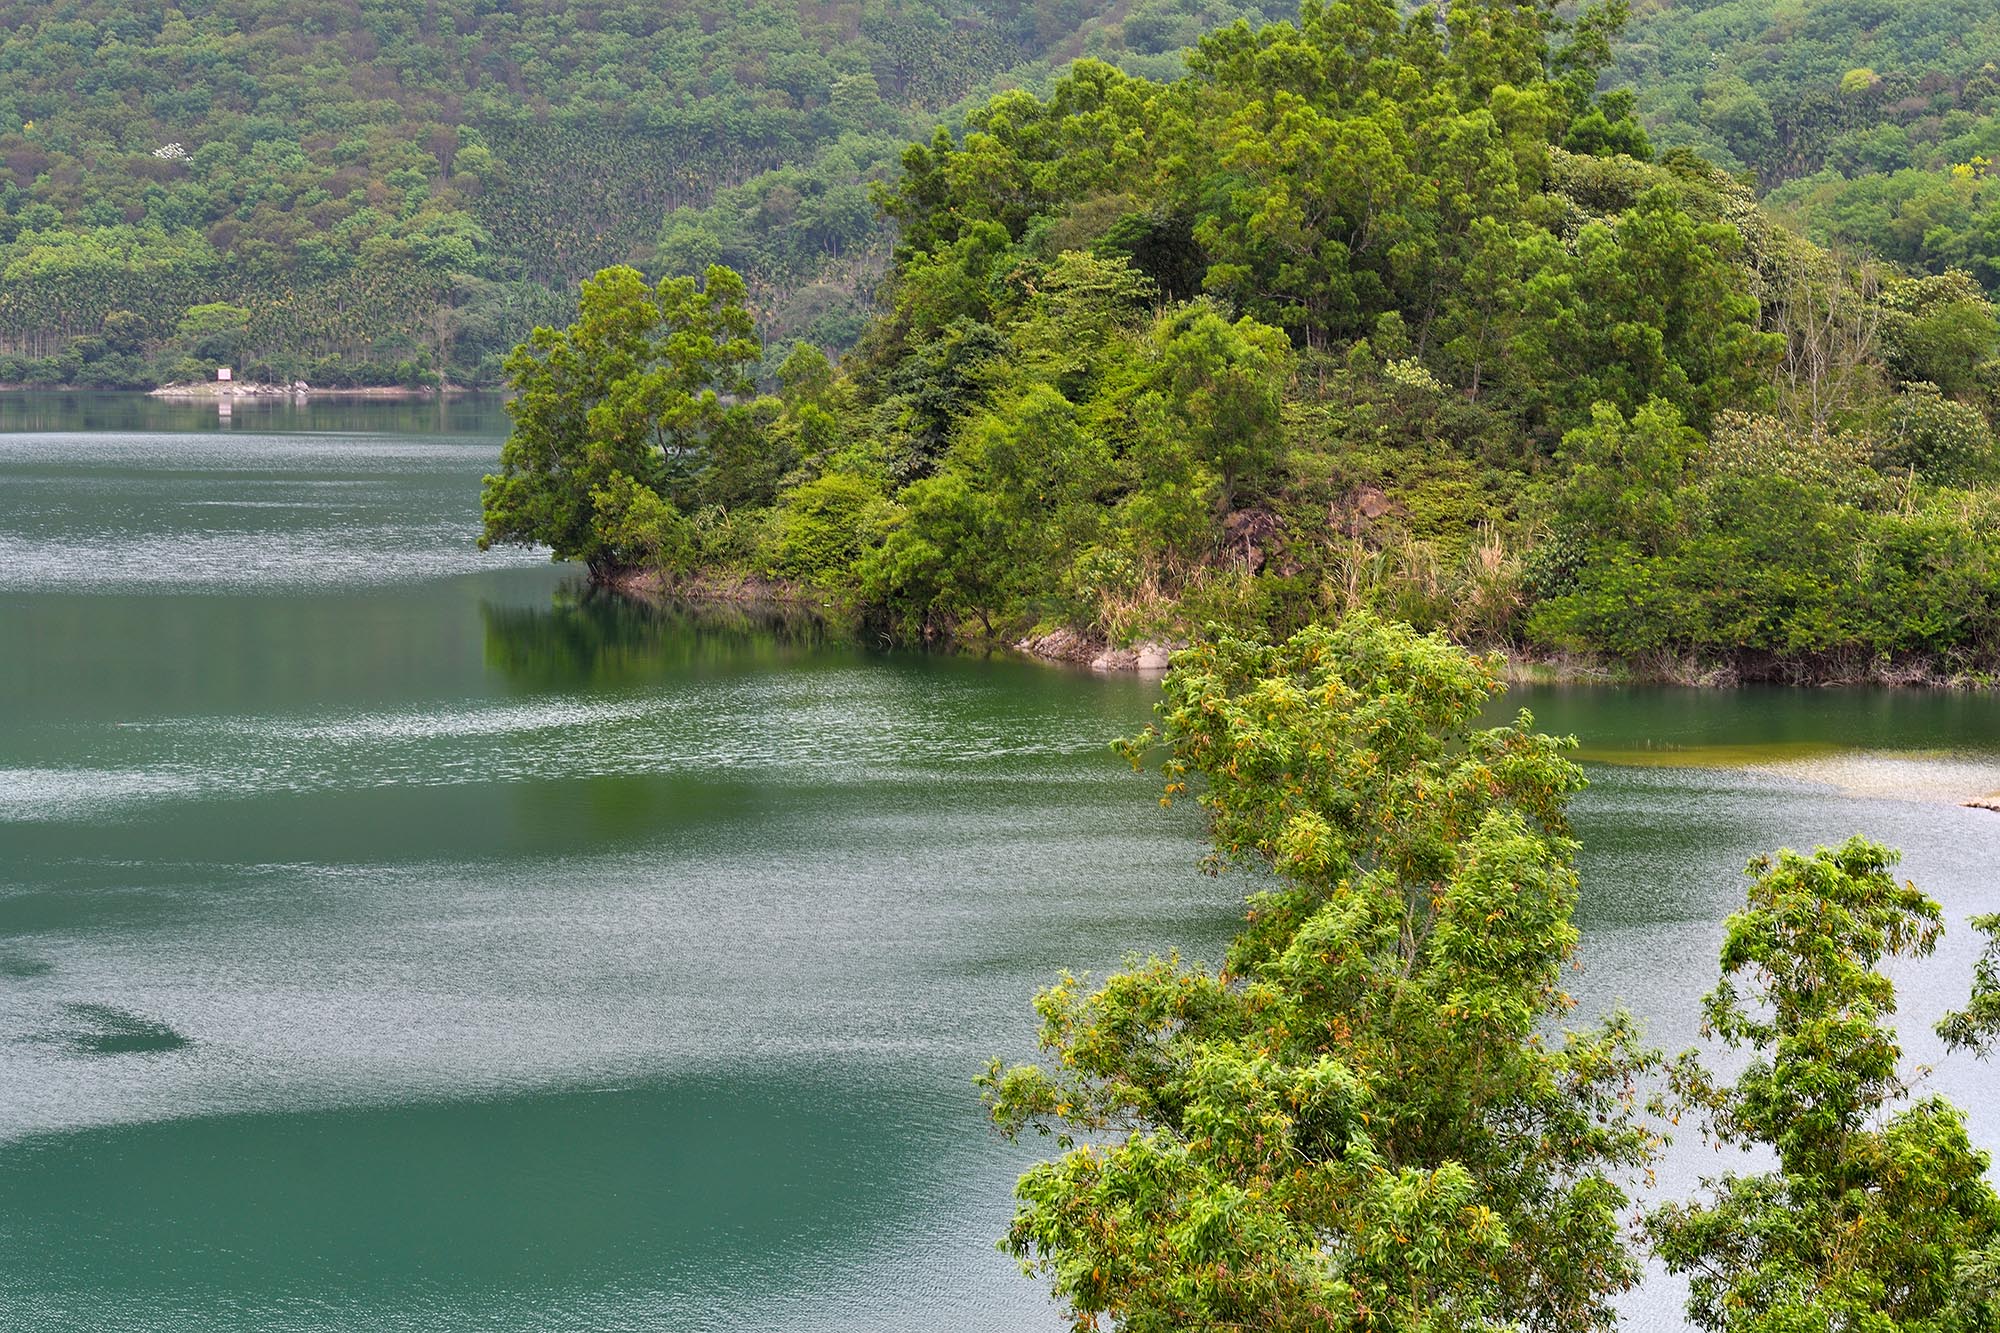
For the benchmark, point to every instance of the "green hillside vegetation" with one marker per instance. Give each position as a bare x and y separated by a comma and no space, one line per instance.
1367,311
1875,127
390,191
394,192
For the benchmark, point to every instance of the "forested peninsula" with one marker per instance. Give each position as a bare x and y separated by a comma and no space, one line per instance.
1366,310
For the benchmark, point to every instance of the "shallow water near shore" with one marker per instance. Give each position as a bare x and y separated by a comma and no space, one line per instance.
394,936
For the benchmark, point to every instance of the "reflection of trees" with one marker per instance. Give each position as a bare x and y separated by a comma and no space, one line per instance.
597,638
468,415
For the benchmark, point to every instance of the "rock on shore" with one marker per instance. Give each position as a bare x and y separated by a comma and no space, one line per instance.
1065,645
226,389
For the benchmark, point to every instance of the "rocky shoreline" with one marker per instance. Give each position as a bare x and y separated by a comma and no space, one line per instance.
1075,648
297,389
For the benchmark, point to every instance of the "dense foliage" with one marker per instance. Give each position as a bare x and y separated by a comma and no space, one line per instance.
391,190
1871,1219
627,419
1387,311
1357,1122
1367,1118
1879,125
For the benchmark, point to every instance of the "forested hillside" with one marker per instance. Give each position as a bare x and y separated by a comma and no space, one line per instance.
387,189
383,192
1875,126
1365,311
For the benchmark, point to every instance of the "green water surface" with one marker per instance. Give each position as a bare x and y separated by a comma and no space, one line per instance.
394,937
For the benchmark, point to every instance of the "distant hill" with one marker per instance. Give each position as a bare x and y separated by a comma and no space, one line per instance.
375,190
1873,125
368,191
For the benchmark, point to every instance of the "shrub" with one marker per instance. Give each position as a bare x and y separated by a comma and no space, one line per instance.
824,526
1750,444
1946,443
639,529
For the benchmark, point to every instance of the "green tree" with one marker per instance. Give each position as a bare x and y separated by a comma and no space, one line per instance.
1977,1026
1942,441
642,387
1652,306
825,526
1939,330
950,554
1623,475
1080,305
1223,383
1045,464
805,375
1168,516
645,530
1357,1123
1872,1220
217,332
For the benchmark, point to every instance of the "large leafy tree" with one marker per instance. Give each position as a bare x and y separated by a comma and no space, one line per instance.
1651,305
1359,1121
1874,1220
645,391
1224,382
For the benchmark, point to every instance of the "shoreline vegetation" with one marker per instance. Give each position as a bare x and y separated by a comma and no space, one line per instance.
300,389
1068,647
1433,334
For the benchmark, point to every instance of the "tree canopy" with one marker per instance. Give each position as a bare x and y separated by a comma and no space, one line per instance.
1367,1117
1357,1121
624,419
1387,311
1873,1218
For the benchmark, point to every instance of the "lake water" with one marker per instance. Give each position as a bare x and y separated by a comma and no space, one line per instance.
393,937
